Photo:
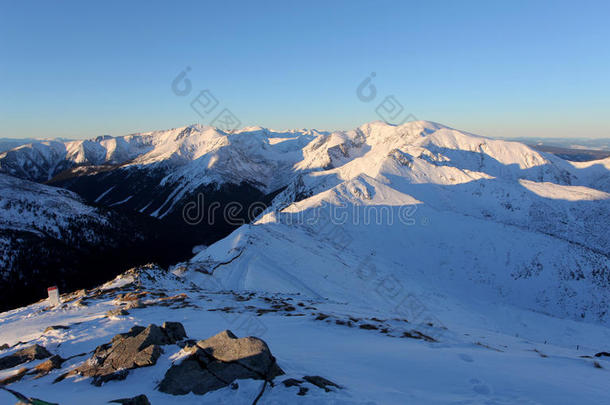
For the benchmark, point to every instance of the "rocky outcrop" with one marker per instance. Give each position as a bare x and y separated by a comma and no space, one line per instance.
321,382
316,380
18,375
117,312
140,347
217,362
139,400
44,368
30,353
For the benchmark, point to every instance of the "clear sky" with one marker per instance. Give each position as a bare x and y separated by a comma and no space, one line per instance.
511,68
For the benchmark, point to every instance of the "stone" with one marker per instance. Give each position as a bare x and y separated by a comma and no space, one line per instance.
14,377
44,368
139,347
174,330
320,382
139,400
55,327
189,376
117,312
251,352
30,353
136,303
217,362
292,382
23,400
120,375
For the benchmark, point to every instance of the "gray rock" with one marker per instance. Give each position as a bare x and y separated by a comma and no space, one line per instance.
217,362
139,400
14,377
320,382
30,353
140,347
120,375
117,312
174,330
44,368
292,382
134,304
25,400
189,376
55,327
250,352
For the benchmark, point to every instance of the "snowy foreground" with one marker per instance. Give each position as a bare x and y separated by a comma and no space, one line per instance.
366,351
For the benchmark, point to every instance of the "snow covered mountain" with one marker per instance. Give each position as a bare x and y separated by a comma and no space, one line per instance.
167,169
405,264
12,143
507,196
435,211
50,236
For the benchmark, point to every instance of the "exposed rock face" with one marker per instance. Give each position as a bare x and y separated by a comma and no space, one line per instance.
30,353
44,368
217,362
23,400
117,312
14,377
140,347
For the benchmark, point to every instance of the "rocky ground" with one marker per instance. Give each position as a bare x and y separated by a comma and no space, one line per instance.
150,336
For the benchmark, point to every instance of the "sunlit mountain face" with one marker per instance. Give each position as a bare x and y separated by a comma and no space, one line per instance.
421,248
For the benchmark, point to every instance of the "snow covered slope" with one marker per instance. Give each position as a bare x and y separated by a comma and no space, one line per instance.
412,264
456,218
167,169
12,143
375,356
50,236
517,223
38,208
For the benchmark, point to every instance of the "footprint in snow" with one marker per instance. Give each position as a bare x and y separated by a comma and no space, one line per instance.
466,358
480,387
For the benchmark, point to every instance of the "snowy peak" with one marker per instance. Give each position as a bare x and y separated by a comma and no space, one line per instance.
33,207
439,210
181,161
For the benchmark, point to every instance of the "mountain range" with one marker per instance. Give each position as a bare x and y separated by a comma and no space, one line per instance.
423,231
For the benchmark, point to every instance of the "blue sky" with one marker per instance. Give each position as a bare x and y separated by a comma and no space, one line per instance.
514,68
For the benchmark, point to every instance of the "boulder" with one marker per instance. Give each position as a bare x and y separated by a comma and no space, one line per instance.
14,377
117,312
133,304
44,368
55,327
320,382
217,362
139,400
30,353
139,347
174,330
23,400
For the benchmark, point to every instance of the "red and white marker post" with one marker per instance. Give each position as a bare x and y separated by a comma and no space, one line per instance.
53,296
